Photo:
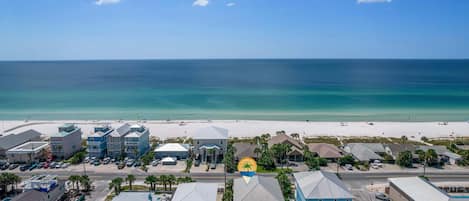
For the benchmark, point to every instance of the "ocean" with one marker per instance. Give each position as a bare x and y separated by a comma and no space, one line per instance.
254,89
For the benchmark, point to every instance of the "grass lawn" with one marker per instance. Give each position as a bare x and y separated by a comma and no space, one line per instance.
322,139
261,169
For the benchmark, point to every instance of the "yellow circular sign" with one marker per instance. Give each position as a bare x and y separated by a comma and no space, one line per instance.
247,164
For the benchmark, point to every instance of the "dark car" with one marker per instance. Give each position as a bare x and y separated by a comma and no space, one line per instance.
382,196
197,163
33,166
4,167
121,165
137,164
213,166
13,166
24,167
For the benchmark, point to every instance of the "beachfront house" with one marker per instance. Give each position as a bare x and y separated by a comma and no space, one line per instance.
394,150
33,151
9,141
210,144
320,186
115,141
258,188
172,150
243,150
365,152
296,153
97,141
444,154
327,151
137,141
66,142
196,192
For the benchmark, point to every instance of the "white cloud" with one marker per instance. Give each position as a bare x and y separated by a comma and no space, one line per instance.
374,1
104,2
231,4
200,3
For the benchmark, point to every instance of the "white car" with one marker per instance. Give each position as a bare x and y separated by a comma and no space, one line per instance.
65,165
155,163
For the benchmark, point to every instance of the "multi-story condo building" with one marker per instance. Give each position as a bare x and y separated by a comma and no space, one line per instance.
137,141
97,142
66,142
115,141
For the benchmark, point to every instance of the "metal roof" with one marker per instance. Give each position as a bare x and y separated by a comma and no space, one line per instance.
211,132
418,189
258,189
321,185
12,140
196,192
172,147
121,131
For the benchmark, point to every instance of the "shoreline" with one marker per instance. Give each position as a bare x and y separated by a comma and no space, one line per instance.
250,128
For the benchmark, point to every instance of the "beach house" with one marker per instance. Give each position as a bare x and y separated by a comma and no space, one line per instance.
320,186
13,140
137,141
97,141
365,152
296,153
257,189
243,150
327,151
173,150
196,192
443,153
115,141
210,144
66,142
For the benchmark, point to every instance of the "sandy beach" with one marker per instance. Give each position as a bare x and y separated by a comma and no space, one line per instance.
249,128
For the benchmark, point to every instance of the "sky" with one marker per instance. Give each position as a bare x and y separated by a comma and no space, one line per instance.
186,29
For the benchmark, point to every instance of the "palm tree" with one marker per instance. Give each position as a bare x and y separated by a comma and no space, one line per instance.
164,180
75,179
257,140
130,179
430,156
151,179
257,151
181,180
85,182
295,136
116,184
171,181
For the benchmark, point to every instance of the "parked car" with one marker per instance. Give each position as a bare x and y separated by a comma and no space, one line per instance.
197,163
24,167
106,161
58,165
113,160
290,164
154,163
137,164
348,167
382,196
41,165
65,165
87,159
4,167
32,167
130,163
213,166
13,166
46,165
96,163
121,165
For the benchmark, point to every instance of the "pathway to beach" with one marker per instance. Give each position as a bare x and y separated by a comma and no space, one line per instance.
249,128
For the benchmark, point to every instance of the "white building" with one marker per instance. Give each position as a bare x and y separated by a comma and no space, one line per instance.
174,150
210,144
28,152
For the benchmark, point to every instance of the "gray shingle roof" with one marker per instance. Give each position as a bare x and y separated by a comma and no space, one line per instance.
196,192
361,152
321,185
211,132
13,140
258,189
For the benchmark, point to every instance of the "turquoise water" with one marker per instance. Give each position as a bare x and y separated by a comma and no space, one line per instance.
316,90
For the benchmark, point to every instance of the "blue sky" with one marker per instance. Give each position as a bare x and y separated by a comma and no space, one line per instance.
139,29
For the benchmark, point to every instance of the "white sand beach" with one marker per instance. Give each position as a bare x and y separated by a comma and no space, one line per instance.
249,128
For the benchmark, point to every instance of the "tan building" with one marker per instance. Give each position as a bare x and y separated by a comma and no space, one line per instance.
296,153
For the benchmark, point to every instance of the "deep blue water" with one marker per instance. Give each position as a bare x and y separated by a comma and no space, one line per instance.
322,90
